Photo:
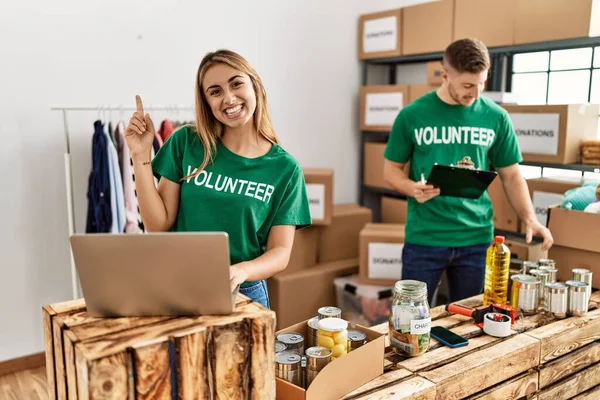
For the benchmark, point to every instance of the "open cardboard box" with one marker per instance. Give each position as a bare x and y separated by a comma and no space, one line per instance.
341,376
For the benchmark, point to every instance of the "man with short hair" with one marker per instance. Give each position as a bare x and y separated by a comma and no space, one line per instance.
454,125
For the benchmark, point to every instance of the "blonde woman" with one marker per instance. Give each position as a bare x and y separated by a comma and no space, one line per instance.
226,173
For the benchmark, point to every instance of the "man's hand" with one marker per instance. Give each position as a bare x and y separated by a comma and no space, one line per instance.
534,228
423,192
237,275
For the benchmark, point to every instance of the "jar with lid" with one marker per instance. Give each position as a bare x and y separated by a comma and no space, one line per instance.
333,335
410,321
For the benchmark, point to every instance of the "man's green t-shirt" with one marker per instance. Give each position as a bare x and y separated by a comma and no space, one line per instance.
430,131
242,196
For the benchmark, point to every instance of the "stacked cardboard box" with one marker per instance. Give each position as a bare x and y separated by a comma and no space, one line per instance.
381,247
319,255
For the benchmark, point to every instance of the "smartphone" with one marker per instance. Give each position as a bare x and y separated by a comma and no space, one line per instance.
447,337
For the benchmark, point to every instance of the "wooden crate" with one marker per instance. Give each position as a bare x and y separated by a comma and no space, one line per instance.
543,358
160,357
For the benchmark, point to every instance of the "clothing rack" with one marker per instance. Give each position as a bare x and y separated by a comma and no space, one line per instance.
101,109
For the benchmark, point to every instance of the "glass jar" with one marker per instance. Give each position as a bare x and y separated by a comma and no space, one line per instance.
410,322
333,335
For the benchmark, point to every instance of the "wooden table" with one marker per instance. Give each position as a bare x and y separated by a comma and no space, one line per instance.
543,359
160,357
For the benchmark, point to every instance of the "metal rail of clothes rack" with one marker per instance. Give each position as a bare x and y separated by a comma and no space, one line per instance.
101,109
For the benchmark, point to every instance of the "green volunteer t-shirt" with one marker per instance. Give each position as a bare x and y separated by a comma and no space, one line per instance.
430,131
242,196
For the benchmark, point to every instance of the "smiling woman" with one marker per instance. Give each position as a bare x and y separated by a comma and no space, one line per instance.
226,173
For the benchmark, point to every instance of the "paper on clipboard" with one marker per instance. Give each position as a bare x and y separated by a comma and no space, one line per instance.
460,182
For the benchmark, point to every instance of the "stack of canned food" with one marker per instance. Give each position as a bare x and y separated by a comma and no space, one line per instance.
536,286
328,338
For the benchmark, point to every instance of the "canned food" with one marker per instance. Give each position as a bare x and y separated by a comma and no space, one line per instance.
524,294
552,272
356,339
584,275
528,266
293,341
578,298
333,335
556,295
543,277
547,262
313,327
329,312
280,347
316,359
288,367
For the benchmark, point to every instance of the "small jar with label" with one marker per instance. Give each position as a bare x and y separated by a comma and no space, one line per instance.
410,321
333,335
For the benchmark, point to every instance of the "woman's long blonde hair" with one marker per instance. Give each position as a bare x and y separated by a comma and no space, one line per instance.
208,127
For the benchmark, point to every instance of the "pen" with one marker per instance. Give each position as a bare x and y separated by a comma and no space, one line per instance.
422,176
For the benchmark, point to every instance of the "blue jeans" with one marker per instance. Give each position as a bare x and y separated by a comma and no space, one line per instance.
465,268
257,291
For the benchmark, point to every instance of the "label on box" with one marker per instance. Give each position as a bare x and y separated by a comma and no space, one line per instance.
380,35
385,260
383,108
537,133
420,326
541,202
316,200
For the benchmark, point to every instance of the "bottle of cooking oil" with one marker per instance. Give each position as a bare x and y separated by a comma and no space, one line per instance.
497,266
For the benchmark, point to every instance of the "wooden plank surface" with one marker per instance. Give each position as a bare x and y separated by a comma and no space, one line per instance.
573,385
47,313
564,336
230,360
480,370
59,360
415,388
70,366
379,383
67,306
262,357
592,394
109,378
524,385
152,370
191,365
569,364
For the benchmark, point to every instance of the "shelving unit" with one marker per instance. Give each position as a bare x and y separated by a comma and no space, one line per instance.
500,80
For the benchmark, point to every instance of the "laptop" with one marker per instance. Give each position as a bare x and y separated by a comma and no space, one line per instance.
154,274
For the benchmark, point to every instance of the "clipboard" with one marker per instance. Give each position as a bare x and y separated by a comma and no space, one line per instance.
460,182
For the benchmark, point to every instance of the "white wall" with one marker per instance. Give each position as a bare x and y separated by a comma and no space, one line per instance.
104,52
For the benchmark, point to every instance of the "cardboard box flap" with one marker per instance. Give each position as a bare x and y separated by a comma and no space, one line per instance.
575,229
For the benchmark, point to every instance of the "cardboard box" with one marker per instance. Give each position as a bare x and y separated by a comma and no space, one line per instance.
319,187
305,251
417,90
549,20
427,28
296,296
547,192
381,254
339,241
505,218
373,165
393,211
380,105
379,35
522,251
576,242
434,73
553,133
490,21
342,376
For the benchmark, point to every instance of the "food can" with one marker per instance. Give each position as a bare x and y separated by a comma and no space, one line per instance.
578,298
584,275
288,367
524,293
557,296
528,266
356,339
552,273
329,312
547,262
317,358
543,277
280,347
312,328
293,341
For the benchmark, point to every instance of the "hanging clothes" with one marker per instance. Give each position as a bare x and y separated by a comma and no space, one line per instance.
117,202
99,213
133,220
166,129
